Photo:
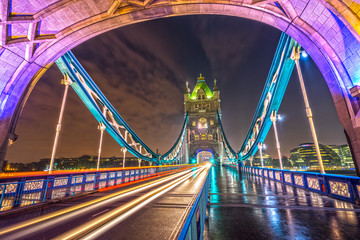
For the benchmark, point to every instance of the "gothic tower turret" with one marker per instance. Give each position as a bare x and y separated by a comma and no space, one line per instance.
203,130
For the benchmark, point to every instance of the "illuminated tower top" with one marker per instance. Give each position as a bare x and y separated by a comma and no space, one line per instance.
203,129
202,99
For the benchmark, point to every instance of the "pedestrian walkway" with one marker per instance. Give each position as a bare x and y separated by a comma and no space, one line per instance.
249,207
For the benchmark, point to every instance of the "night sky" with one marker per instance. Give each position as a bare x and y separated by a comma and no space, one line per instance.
142,70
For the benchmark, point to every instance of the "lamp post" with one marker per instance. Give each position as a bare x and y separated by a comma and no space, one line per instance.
296,56
124,152
273,119
102,129
67,82
260,146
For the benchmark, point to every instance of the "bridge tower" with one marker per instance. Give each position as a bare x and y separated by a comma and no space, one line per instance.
203,130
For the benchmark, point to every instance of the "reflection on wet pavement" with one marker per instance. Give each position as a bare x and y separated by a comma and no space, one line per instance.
249,207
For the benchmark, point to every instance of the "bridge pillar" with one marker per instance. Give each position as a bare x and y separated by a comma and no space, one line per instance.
353,138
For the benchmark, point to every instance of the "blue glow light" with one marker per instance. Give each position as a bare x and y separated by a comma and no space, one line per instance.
304,54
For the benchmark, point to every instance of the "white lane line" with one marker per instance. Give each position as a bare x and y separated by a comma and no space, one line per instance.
100,212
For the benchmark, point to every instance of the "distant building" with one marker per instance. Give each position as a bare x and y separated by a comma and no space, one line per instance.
72,163
343,151
268,161
305,156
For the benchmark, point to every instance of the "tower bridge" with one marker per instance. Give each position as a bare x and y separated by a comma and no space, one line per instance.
174,192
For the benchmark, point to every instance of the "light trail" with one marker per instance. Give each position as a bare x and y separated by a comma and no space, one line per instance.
77,210
98,226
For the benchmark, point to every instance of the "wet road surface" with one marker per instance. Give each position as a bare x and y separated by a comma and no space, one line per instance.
249,207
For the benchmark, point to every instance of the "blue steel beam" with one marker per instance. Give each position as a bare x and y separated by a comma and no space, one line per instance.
271,97
93,98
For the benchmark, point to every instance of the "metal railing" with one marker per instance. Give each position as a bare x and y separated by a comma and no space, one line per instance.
19,191
193,227
346,188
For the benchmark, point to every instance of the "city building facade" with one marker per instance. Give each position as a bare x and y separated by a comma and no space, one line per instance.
305,156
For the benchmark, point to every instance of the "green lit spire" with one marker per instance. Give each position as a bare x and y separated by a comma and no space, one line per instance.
201,84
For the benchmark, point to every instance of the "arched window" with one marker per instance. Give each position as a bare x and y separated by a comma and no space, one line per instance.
202,123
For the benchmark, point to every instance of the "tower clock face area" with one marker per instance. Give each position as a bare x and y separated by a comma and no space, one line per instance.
203,132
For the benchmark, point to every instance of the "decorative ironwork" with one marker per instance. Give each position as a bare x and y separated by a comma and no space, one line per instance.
58,193
30,198
277,176
77,189
89,187
9,188
77,179
287,177
102,184
339,188
33,185
60,181
103,176
111,182
299,180
90,177
313,183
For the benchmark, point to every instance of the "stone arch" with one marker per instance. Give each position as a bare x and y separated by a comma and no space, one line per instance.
31,41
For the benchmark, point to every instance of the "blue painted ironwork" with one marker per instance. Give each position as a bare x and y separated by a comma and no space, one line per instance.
270,100
94,99
193,227
346,188
23,191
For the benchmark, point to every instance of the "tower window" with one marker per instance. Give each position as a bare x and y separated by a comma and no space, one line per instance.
202,123
211,122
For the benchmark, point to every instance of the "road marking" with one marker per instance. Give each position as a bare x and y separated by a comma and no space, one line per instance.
100,212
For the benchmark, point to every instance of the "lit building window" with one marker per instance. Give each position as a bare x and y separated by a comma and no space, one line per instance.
194,123
202,123
211,122
203,137
210,137
196,137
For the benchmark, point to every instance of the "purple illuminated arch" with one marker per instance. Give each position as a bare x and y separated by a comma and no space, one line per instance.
29,43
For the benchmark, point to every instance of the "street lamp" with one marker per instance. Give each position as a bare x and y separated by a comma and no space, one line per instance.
261,146
273,119
296,56
102,129
67,82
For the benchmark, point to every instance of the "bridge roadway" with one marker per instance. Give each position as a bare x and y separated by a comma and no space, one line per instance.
151,212
249,207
